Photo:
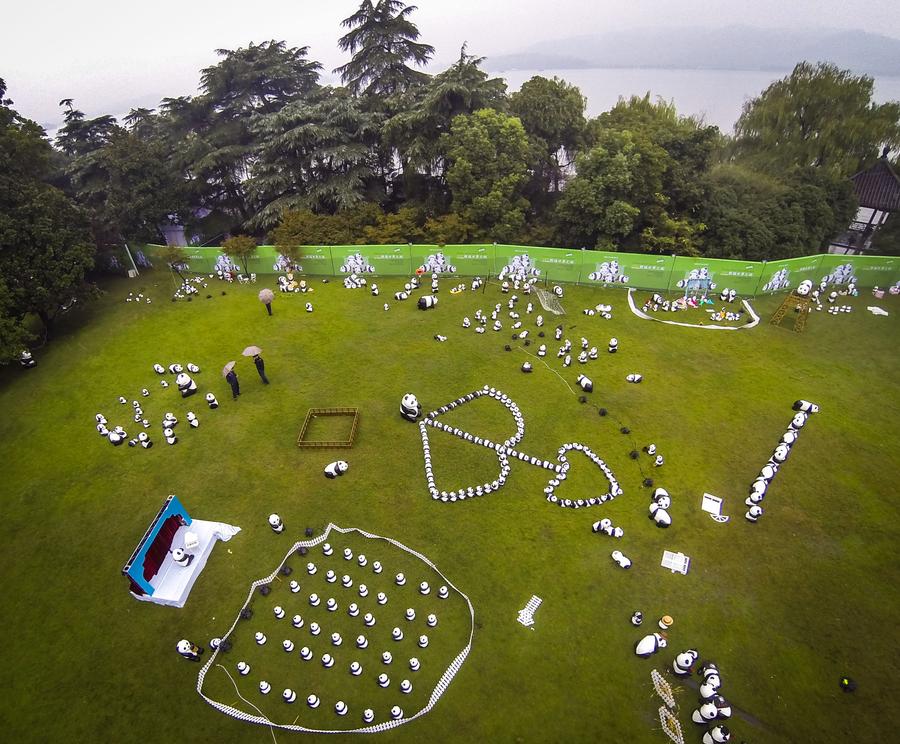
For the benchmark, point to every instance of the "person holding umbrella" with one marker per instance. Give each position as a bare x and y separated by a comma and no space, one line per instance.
266,296
255,351
229,374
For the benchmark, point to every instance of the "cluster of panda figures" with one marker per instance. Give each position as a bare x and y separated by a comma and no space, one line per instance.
712,707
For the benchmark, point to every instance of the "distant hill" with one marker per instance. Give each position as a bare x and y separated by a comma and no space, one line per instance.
729,48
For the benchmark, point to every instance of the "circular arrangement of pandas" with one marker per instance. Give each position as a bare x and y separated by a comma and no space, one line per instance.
352,632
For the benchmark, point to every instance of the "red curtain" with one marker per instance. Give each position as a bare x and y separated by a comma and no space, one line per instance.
161,544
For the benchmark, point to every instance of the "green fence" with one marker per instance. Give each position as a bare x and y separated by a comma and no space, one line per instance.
607,269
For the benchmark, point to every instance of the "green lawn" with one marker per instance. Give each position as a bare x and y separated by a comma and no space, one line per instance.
784,606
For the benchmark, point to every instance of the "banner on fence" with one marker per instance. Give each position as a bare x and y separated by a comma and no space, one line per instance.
676,274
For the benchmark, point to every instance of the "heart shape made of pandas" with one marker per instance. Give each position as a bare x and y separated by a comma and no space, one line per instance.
505,451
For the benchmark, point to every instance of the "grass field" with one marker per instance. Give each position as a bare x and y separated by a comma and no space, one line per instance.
784,606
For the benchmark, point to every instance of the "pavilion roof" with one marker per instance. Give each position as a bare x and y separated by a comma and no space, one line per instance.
878,187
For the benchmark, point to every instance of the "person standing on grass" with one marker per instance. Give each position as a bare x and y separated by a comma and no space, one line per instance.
232,379
261,368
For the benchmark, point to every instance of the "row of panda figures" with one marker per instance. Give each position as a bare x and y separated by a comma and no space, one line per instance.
804,409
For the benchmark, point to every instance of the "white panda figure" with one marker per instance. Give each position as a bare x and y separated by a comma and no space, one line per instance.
410,409
276,524
754,513
504,287
558,291
649,645
805,406
186,385
583,357
593,353
634,377
683,665
526,367
169,435
374,289
192,419
115,438
334,469
717,735
400,296
542,350
584,383
211,401
159,369
705,713
660,516
804,288
539,321
781,453
798,421
613,345
466,322
309,307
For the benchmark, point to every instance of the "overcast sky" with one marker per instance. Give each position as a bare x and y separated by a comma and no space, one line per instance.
110,56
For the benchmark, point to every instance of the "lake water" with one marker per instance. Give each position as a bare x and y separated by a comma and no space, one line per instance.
716,95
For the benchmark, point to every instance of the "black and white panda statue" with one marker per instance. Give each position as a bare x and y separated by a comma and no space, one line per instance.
717,735
526,367
613,345
276,524
804,288
705,713
585,383
427,302
211,401
334,469
754,513
649,645
805,406
410,408
683,665
558,291
186,385
159,369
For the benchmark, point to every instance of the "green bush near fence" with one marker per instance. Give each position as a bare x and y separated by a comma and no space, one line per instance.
644,271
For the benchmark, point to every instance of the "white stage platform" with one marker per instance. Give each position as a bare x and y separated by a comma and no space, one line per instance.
173,583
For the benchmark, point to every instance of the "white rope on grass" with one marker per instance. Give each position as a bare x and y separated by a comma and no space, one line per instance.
550,368
439,688
644,316
238,692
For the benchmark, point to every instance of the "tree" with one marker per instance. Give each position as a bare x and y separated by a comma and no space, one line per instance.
382,40
616,193
425,113
241,246
818,116
314,153
552,112
487,156
176,259
45,247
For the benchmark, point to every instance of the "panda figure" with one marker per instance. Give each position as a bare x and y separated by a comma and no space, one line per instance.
542,350
466,323
683,665
613,345
781,452
169,435
754,513
410,409
804,406
804,288
144,440
211,401
539,321
717,735
159,369
186,385
309,307
192,419
660,516
427,302
649,645
276,524
334,469
634,377
374,290
526,367
798,421
558,291
705,713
